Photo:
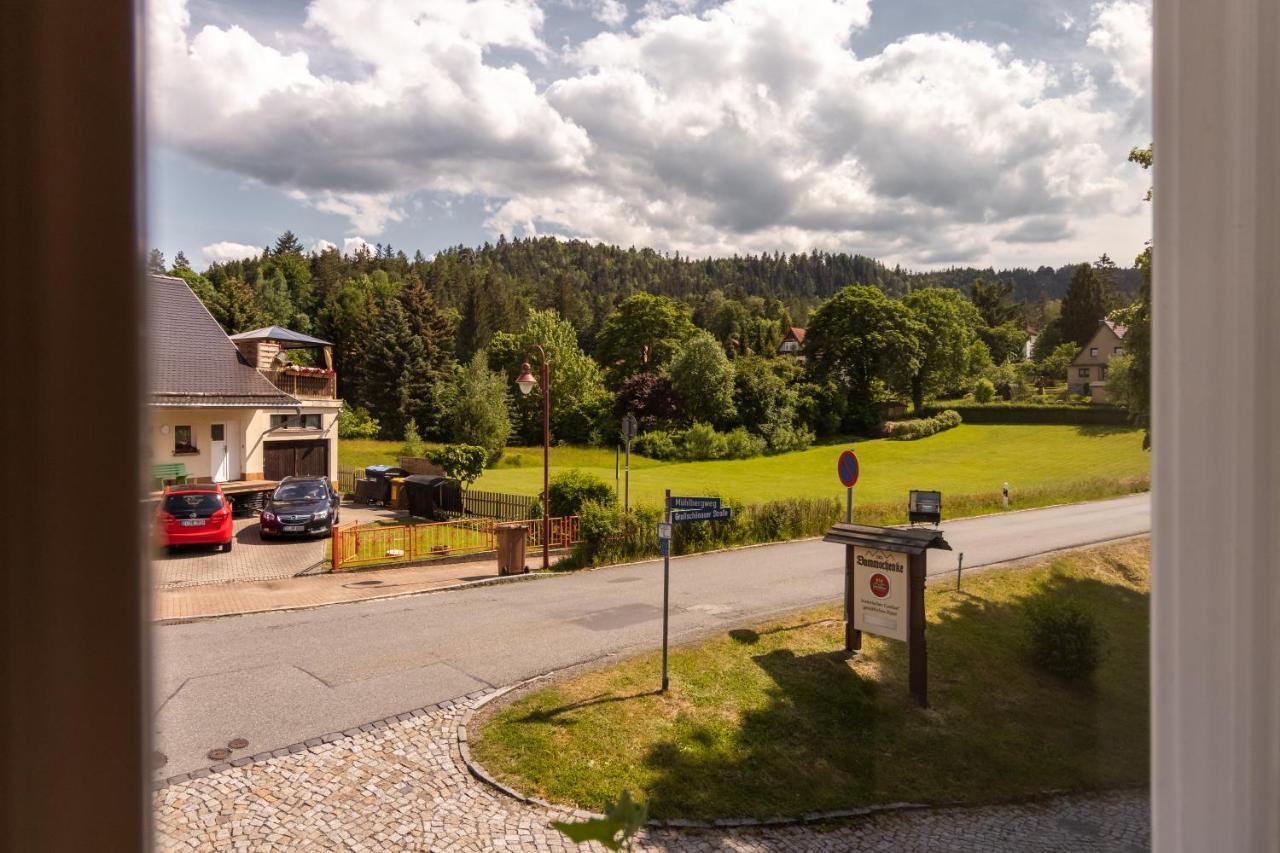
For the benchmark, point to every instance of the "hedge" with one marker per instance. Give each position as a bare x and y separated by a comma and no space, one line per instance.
1004,412
923,427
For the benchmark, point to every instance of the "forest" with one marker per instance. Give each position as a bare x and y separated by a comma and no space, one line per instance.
430,347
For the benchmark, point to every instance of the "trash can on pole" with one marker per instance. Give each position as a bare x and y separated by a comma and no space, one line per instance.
511,548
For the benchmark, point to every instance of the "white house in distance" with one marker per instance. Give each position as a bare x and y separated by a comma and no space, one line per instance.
1088,371
235,410
793,343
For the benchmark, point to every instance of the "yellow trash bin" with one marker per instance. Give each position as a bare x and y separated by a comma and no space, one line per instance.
399,499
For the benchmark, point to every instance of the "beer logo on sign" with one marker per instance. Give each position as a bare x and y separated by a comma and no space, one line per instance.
879,585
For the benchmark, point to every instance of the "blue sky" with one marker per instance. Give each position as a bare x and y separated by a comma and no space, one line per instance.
923,133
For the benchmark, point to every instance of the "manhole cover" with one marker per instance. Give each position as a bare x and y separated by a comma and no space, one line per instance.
158,760
238,743
219,754
366,583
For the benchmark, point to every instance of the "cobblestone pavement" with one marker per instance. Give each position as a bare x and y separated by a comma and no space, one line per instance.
401,785
251,559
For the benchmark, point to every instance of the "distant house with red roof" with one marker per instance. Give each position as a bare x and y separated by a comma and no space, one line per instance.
793,343
1087,374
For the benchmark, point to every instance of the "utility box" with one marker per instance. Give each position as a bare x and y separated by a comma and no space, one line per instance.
512,539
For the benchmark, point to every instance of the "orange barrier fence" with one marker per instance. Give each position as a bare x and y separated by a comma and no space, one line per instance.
354,546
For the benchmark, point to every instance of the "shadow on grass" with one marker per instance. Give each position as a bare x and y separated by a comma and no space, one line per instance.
1103,430
827,737
553,715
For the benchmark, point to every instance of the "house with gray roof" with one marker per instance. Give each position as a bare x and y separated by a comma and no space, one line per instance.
244,408
1087,373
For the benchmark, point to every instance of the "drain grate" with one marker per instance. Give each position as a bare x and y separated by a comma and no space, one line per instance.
158,760
218,754
238,743
365,583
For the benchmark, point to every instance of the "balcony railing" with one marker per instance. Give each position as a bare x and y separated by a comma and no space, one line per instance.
304,386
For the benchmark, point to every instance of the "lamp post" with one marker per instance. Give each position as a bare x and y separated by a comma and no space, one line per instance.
526,383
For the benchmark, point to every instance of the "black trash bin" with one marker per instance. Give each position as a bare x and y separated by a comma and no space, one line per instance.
429,495
380,477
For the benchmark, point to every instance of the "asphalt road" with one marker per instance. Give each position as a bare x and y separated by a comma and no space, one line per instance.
277,679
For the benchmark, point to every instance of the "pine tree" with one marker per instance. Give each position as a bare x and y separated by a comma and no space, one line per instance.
240,311
155,262
1085,305
399,382
288,244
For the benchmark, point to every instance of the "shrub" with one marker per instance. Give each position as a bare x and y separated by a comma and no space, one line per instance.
657,444
413,444
984,391
1027,412
463,462
701,441
357,423
740,444
569,491
1064,639
785,437
597,524
922,427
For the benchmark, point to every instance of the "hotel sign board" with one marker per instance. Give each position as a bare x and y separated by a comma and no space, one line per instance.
881,593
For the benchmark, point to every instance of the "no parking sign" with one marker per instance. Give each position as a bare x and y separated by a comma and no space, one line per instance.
848,468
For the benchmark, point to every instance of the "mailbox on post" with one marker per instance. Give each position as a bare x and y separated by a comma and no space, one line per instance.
884,589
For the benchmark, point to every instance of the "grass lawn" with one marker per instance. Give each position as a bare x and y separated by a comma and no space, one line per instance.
775,722
1038,461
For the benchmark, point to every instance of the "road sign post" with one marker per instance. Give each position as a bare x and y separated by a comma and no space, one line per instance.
847,469
687,510
666,585
629,429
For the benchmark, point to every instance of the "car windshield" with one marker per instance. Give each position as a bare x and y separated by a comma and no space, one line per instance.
300,492
192,501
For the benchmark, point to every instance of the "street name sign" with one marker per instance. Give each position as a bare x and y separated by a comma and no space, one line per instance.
881,593
721,514
692,503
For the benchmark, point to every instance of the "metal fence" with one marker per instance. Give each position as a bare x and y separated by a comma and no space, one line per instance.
354,546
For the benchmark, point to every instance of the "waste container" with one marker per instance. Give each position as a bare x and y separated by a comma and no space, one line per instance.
381,475
511,548
399,498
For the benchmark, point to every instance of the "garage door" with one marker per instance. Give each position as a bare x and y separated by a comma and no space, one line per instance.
295,458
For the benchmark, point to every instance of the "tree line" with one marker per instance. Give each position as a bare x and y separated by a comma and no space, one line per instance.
432,346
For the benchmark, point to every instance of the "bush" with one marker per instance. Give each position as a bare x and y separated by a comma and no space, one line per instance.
1001,412
568,492
357,423
597,524
657,444
740,444
701,441
984,391
785,437
922,427
413,445
464,462
1064,638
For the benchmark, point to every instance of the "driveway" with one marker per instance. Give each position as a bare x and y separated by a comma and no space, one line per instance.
251,559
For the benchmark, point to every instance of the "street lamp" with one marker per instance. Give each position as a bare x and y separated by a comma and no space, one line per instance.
526,383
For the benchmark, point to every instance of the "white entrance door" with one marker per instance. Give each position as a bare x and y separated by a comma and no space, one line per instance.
219,453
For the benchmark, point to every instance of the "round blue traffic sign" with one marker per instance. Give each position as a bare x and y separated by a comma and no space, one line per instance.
847,468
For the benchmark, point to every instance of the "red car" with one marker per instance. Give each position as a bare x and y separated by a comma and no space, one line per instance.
195,514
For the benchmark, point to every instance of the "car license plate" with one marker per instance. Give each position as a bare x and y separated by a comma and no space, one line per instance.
193,522
293,528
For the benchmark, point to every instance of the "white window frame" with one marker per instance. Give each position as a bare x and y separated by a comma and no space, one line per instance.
1215,699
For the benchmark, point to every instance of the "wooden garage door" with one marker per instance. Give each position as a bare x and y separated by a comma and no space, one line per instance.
295,458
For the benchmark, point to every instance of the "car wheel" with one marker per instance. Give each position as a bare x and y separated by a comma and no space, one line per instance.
226,546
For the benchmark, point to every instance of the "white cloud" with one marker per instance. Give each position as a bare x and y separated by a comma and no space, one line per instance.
1122,33
742,125
321,246
226,250
351,245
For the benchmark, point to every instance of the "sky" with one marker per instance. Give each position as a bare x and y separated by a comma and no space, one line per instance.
927,133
